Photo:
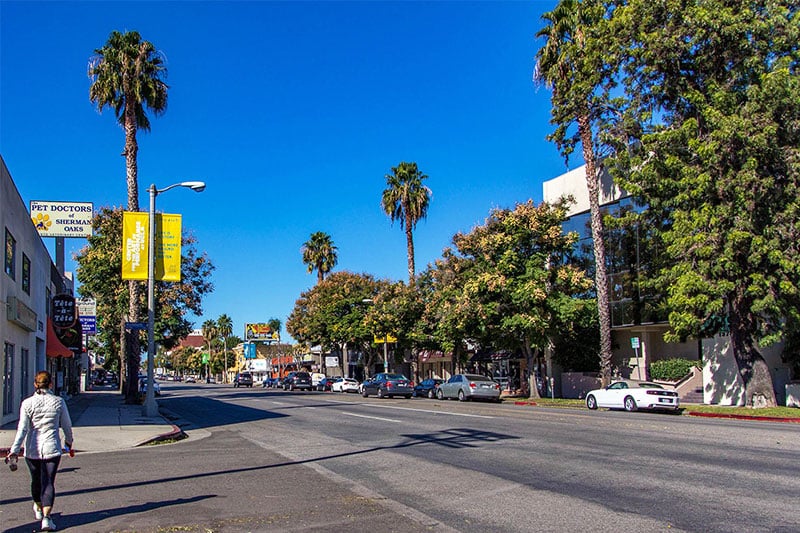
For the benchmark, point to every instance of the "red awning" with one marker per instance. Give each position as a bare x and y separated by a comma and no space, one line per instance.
55,348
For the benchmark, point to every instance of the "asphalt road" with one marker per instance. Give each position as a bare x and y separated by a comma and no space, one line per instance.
269,460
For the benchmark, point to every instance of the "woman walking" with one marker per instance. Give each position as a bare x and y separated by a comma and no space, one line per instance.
41,416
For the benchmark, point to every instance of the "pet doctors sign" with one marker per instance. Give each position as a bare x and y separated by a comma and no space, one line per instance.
62,219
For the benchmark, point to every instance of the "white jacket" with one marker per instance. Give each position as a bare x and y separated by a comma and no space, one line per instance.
40,417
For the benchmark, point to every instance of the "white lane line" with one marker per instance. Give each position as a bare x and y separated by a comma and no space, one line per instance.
412,409
371,417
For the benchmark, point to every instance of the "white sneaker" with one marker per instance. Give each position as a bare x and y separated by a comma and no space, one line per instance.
37,512
48,524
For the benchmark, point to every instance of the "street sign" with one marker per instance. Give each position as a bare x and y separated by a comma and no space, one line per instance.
134,326
381,340
635,343
88,324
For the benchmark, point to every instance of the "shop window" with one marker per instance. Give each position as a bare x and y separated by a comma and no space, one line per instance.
26,274
11,255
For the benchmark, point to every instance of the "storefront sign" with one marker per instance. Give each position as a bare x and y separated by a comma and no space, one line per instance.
62,219
63,310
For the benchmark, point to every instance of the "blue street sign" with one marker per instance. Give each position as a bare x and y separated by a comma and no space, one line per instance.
136,326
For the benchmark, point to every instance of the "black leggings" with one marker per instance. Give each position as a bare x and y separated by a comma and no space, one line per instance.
43,479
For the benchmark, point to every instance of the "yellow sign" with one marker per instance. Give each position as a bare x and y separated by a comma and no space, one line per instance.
168,247
135,246
381,340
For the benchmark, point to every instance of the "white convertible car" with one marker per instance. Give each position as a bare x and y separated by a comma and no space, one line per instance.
632,395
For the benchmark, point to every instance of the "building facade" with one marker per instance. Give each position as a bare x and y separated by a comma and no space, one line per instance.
27,284
638,328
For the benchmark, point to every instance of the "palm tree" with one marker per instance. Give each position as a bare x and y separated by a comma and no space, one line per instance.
406,199
224,329
565,65
319,254
127,76
209,331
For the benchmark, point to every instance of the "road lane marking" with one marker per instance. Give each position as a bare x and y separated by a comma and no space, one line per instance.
371,417
412,409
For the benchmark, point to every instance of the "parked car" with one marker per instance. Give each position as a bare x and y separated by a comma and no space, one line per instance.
271,383
632,395
297,380
469,386
345,385
386,384
325,384
243,379
143,386
190,379
427,387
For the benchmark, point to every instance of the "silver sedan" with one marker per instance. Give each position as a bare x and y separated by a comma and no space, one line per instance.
468,387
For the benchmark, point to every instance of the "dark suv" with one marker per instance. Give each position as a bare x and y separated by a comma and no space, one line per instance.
243,379
297,380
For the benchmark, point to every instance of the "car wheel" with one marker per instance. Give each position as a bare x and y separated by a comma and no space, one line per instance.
408,396
380,393
364,393
440,394
630,403
461,397
591,402
431,394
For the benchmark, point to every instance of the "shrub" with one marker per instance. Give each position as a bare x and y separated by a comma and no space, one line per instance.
671,369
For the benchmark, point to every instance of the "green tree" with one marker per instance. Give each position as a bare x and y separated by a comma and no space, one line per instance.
519,291
332,313
209,332
716,84
572,63
225,328
406,199
127,75
319,254
99,273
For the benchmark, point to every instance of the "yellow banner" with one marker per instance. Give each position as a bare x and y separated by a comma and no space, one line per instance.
134,245
168,247
381,340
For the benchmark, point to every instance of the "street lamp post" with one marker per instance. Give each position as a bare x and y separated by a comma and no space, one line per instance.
150,406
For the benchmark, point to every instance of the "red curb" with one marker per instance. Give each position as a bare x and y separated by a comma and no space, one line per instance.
745,417
175,433
524,403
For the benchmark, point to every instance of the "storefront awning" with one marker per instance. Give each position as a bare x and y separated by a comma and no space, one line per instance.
55,348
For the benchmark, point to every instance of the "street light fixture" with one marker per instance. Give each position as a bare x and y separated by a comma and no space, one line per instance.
150,405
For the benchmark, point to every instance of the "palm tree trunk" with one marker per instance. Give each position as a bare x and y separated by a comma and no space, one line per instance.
600,275
410,248
132,349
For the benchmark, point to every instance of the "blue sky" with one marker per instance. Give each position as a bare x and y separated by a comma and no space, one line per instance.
292,113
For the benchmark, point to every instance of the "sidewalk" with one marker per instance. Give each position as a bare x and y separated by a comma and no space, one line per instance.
102,422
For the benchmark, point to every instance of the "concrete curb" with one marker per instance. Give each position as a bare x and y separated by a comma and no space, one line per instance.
175,434
704,415
745,417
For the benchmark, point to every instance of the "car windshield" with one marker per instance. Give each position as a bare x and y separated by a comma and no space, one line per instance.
475,377
395,376
303,375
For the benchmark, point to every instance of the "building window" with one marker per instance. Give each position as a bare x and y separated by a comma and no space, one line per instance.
26,274
8,379
25,374
11,254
